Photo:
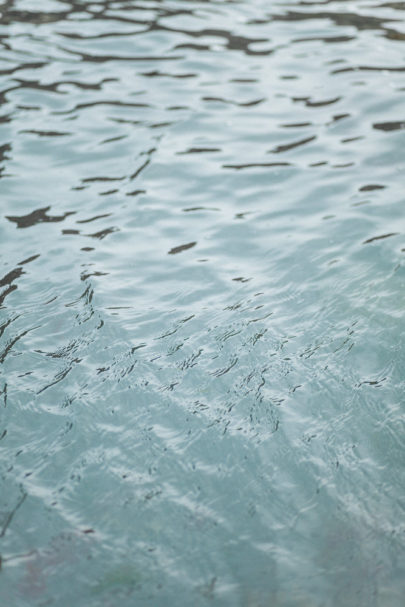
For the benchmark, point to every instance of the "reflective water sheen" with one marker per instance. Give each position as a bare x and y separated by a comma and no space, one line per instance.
202,303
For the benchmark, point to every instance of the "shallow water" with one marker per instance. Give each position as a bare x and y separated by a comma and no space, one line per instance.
202,295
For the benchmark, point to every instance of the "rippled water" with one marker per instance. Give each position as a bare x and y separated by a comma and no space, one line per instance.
202,295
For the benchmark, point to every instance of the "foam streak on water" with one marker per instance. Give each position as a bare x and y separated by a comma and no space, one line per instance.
201,303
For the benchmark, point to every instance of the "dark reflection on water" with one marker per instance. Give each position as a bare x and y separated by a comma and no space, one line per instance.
389,126
37,216
201,388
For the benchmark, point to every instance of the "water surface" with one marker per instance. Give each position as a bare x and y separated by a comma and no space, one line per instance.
201,303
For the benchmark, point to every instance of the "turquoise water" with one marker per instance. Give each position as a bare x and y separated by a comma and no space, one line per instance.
202,300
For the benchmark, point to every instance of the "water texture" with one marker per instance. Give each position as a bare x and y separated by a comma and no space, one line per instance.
202,303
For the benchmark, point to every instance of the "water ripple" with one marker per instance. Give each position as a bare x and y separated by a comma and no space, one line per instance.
201,338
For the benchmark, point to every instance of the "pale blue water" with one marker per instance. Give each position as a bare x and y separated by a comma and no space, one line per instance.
202,303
